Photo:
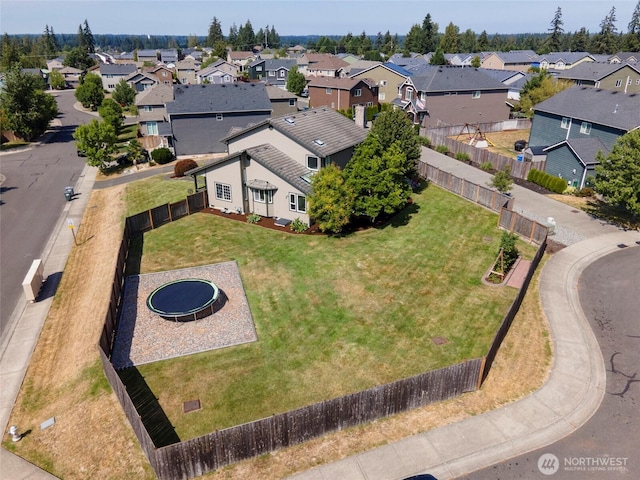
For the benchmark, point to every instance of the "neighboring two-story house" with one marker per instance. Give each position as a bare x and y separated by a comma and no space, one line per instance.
163,73
563,60
141,81
342,93
187,71
520,60
322,65
218,72
620,77
240,59
282,101
202,115
111,74
450,95
273,71
576,123
269,167
388,76
152,116
148,56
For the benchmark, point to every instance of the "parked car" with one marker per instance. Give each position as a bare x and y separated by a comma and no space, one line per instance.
304,93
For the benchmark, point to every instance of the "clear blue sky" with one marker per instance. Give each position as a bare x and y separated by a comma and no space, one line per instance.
301,17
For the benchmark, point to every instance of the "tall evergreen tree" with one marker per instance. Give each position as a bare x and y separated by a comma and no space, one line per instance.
430,34
449,41
215,32
233,35
483,41
606,41
632,38
467,41
88,38
414,41
554,40
273,38
580,40
246,37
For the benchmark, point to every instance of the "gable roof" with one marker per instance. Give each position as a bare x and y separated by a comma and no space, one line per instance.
602,107
585,149
517,56
276,92
567,57
340,83
274,63
323,61
594,71
450,78
136,77
236,55
147,53
396,69
157,95
117,68
219,98
322,131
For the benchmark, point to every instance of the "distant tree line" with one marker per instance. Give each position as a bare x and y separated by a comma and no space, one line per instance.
32,51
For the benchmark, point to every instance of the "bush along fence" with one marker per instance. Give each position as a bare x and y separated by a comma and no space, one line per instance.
197,456
440,140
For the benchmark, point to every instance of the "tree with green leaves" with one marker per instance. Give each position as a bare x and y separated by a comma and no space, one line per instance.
295,81
49,43
232,39
377,178
97,139
215,33
468,41
332,201
438,57
414,41
246,37
555,39
632,38
78,58
429,34
606,42
393,126
449,41
483,41
618,174
90,93
502,181
135,152
56,80
539,88
86,39
580,40
111,112
476,62
10,53
26,108
124,94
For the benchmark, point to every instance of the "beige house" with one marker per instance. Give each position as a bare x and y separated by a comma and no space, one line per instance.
387,77
240,59
282,101
187,71
621,77
323,65
269,167
518,60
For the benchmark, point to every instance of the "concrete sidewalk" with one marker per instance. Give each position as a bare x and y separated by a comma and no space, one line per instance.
565,402
20,340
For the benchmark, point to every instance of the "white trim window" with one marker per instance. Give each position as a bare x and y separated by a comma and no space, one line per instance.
313,163
292,102
408,93
476,94
585,128
297,203
223,191
369,104
381,96
618,83
271,73
147,108
597,85
358,92
219,117
263,196
152,128
328,90
638,81
282,74
259,68
383,83
566,122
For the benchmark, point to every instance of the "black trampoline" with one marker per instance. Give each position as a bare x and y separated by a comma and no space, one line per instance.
184,300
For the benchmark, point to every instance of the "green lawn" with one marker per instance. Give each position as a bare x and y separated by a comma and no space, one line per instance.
333,314
154,191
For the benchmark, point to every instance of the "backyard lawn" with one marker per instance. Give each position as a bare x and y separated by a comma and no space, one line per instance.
333,314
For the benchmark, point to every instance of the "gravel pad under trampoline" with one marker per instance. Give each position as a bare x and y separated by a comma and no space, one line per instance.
145,337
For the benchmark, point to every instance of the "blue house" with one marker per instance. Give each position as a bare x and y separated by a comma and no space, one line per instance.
577,123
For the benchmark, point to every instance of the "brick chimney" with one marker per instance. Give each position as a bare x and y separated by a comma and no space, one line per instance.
360,117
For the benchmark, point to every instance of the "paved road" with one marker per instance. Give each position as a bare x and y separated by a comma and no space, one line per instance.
613,433
32,201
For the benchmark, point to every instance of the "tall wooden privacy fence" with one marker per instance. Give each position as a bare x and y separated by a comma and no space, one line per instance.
525,227
471,191
194,457
479,156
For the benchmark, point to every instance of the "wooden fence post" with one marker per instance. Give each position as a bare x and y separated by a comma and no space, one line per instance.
151,219
513,223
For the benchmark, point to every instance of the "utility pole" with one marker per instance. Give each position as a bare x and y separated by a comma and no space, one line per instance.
266,37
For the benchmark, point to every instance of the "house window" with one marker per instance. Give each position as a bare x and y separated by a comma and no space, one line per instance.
408,94
164,74
223,192
597,85
109,75
219,117
184,79
292,102
312,162
638,82
263,196
259,68
358,92
272,73
369,104
381,96
152,128
565,123
585,128
328,90
476,94
111,85
383,83
618,83
282,73
297,203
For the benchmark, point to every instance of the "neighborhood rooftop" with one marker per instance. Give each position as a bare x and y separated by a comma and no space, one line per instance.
604,107
453,78
223,98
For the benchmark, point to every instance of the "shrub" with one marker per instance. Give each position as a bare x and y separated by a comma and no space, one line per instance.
424,141
545,180
298,226
162,155
532,176
442,149
463,156
486,166
584,192
183,166
509,249
253,218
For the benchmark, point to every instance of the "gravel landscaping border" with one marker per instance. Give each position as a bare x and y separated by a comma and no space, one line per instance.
144,337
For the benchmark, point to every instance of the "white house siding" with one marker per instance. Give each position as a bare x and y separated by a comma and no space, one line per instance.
228,174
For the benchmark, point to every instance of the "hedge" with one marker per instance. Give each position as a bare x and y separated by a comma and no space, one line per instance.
545,180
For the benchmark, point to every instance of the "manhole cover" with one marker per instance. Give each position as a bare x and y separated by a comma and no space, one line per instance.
191,406
439,340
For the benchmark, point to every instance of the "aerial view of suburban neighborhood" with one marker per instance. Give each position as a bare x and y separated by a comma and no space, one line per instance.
316,240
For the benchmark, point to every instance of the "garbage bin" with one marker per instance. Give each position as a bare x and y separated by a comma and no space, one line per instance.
69,193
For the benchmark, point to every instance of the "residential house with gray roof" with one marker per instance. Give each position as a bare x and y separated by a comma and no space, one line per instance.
149,56
141,81
111,74
187,71
621,77
169,55
563,60
450,95
202,115
576,123
218,72
282,101
270,164
153,121
272,71
387,76
520,60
